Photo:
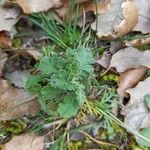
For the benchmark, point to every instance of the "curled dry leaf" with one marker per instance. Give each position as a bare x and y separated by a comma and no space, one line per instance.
15,103
5,40
130,15
143,24
130,58
136,113
129,79
27,141
34,6
118,20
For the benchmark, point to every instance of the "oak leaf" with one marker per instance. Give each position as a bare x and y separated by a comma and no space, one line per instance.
130,57
27,141
136,113
143,24
16,103
129,79
119,19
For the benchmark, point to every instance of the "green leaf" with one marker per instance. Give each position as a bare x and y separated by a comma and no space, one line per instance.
49,93
145,133
33,85
80,94
63,79
68,107
60,80
147,100
85,60
49,65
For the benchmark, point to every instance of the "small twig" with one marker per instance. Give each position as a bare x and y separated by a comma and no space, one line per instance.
49,125
98,141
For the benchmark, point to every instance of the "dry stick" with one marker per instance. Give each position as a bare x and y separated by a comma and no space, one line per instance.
98,141
105,71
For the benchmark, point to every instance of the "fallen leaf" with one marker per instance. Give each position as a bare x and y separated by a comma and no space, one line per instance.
18,77
16,103
130,18
3,59
104,61
129,79
34,6
86,13
118,20
5,40
136,113
8,18
130,58
143,24
27,141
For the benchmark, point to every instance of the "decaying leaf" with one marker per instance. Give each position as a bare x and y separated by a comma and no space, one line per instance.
130,15
86,12
27,141
8,18
17,77
130,58
15,103
34,6
129,79
137,114
118,20
5,40
144,16
104,61
3,59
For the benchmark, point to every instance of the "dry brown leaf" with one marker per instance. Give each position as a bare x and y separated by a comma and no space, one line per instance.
16,103
86,11
89,10
144,16
27,141
34,6
5,40
118,20
17,77
129,79
3,59
137,115
130,58
104,61
8,18
130,15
